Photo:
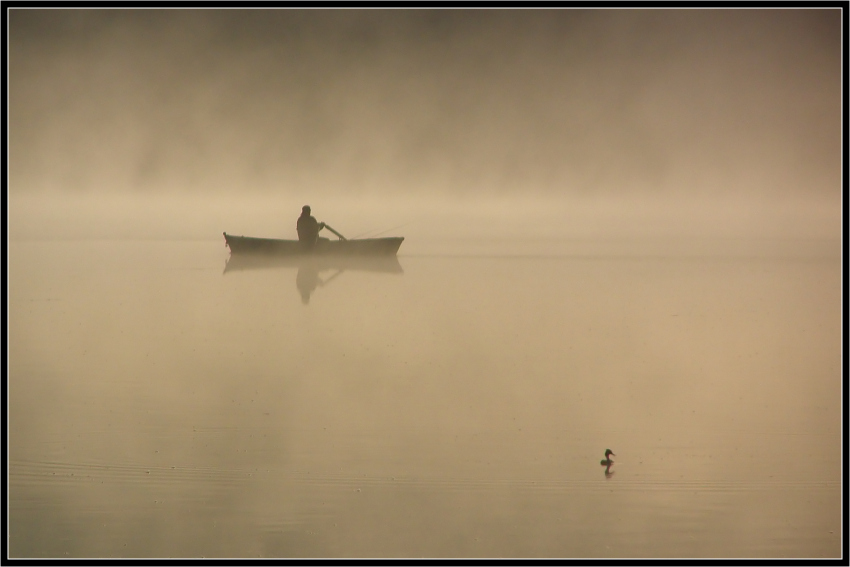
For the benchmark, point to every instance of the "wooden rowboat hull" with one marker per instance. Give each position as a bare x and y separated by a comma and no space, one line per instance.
324,246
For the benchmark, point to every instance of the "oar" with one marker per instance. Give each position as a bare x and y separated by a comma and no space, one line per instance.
327,226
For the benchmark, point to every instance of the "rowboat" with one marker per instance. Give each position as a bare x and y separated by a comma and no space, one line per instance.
323,247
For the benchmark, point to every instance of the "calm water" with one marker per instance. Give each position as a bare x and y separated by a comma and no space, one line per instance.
456,407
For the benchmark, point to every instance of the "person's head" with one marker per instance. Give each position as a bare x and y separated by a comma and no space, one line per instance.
305,210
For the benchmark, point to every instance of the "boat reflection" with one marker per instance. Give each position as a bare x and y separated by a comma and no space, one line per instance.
308,278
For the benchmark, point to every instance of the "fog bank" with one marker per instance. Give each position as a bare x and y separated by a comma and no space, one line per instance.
464,225
432,102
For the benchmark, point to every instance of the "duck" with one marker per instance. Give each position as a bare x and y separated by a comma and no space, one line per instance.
607,462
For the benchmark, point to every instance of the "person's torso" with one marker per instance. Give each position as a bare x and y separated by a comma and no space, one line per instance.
307,225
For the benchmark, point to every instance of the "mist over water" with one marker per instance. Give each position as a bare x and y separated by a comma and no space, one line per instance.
445,102
622,230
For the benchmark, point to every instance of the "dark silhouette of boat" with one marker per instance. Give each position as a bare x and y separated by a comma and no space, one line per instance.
324,246
365,254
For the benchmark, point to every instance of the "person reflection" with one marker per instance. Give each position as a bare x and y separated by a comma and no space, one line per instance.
307,280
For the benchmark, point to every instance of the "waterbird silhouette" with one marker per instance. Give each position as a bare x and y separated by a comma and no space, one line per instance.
607,462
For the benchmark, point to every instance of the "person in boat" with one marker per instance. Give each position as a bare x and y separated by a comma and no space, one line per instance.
308,228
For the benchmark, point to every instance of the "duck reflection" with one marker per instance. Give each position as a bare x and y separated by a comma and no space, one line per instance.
308,278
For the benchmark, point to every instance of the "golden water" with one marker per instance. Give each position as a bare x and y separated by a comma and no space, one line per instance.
159,407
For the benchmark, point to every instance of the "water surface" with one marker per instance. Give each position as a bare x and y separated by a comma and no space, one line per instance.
456,407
